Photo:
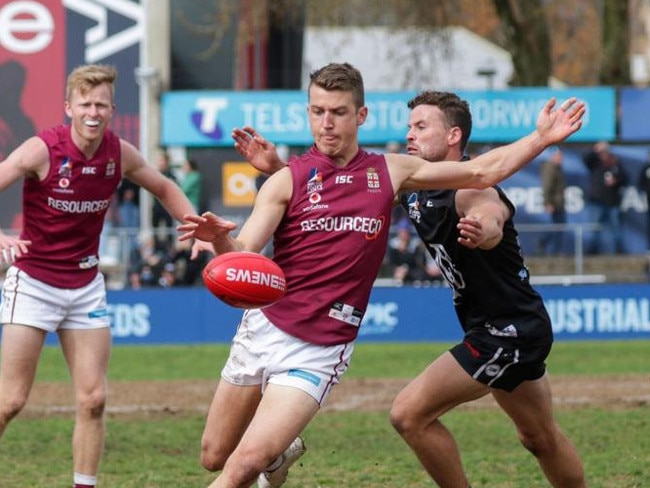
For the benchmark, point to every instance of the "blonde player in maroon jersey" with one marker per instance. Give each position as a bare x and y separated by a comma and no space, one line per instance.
70,173
328,212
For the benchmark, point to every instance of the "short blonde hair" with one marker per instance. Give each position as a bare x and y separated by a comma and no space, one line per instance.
88,76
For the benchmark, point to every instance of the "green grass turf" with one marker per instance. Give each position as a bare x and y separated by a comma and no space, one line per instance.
345,449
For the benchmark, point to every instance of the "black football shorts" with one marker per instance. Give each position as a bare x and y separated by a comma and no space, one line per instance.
498,364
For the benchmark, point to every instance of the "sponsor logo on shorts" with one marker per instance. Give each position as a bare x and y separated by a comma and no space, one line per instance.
508,331
492,370
299,373
99,313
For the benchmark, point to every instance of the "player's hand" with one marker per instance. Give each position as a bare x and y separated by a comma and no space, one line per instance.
556,124
11,248
471,232
200,246
259,152
207,227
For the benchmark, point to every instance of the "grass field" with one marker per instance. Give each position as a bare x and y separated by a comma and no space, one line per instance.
345,448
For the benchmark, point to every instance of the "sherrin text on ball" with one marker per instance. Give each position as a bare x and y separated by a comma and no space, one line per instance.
256,277
245,279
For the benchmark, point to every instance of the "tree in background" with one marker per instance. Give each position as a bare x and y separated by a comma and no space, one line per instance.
581,42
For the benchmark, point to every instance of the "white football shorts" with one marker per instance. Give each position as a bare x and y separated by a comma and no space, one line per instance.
28,301
261,354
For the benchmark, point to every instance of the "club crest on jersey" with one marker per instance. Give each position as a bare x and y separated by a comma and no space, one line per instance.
65,173
65,169
414,208
110,168
373,180
315,181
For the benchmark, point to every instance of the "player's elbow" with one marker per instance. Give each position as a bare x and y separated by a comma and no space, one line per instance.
482,179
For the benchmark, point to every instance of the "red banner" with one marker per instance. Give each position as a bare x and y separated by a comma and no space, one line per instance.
32,69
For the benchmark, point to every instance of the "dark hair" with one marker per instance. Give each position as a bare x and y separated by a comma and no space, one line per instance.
456,110
340,77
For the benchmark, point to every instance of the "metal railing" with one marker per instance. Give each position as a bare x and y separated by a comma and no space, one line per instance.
578,230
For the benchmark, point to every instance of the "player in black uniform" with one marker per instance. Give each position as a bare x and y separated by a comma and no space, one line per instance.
508,334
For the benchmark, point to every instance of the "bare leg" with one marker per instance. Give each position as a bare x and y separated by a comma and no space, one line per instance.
416,411
282,415
531,409
230,413
21,349
87,353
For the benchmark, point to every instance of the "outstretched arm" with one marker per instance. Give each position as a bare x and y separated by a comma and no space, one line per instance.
492,167
259,152
270,205
29,160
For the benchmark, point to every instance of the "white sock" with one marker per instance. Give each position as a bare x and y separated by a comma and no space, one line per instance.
84,479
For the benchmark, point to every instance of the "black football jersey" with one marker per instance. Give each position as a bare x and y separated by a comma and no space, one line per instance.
492,292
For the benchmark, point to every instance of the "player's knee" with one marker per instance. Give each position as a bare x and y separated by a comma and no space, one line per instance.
536,443
402,418
92,404
398,417
11,407
212,457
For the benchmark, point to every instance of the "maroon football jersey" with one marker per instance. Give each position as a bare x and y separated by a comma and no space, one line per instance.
330,244
64,213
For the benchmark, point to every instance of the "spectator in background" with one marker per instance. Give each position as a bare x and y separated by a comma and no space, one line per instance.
644,185
553,186
161,219
148,258
107,253
135,280
168,276
191,183
430,272
129,214
402,253
129,211
188,271
607,179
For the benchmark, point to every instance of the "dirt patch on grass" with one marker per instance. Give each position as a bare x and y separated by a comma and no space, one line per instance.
137,398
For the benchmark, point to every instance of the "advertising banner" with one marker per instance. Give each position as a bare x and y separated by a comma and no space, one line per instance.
206,118
634,109
405,314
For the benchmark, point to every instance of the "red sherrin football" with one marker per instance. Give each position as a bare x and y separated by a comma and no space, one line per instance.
245,279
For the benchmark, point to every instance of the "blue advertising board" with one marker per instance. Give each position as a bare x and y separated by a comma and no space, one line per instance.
406,314
206,118
634,110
